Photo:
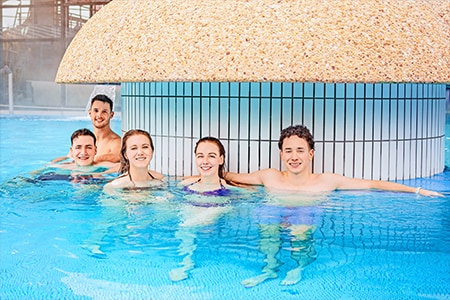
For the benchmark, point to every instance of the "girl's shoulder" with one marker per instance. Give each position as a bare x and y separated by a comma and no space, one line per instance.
189,180
120,181
157,175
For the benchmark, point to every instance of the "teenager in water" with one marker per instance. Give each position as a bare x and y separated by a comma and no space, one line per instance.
206,199
135,186
291,194
108,142
296,146
83,167
135,156
210,161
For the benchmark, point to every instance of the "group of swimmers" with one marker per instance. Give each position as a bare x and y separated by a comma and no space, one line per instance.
131,156
103,151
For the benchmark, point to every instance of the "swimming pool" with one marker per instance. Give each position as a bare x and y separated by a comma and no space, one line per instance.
371,245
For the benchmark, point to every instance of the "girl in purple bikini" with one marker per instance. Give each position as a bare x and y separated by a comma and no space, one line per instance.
205,200
210,160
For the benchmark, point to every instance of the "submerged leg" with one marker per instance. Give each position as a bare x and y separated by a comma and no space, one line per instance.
270,243
95,241
293,276
94,249
187,248
302,251
254,281
113,217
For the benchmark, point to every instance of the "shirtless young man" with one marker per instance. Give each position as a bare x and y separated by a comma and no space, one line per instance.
108,142
296,146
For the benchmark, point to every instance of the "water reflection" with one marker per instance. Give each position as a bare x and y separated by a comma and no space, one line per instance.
196,212
293,216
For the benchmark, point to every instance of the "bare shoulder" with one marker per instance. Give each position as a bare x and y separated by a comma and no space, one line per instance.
188,181
260,177
115,138
118,183
270,178
157,175
328,181
112,138
270,171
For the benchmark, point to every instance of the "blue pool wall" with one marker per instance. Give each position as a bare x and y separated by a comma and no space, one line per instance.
389,131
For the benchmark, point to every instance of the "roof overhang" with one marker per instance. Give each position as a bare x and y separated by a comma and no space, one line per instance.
262,40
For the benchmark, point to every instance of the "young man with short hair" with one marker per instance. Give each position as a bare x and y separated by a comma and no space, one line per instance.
108,142
296,146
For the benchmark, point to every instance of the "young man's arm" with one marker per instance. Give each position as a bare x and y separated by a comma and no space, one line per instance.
346,183
111,157
61,158
255,178
112,167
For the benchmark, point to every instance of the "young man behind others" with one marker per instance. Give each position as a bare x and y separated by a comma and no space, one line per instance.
108,142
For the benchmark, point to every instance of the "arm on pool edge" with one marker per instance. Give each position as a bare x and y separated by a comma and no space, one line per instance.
346,183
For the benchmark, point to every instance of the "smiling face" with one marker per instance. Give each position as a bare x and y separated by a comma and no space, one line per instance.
83,150
101,114
208,159
296,154
138,151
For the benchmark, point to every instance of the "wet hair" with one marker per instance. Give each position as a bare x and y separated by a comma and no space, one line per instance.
124,162
298,130
82,132
221,151
102,98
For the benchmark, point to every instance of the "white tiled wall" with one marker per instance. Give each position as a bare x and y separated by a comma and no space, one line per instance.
374,131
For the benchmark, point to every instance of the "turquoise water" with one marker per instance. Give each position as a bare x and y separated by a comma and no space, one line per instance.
60,240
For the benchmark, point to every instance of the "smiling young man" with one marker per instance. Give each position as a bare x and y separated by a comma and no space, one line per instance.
296,146
83,147
83,151
83,168
108,142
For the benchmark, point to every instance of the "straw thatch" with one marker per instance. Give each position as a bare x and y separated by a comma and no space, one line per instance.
262,40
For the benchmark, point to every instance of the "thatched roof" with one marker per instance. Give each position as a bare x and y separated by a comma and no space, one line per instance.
262,40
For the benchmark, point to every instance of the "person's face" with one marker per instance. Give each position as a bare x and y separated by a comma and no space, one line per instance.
138,151
100,114
83,150
208,159
295,154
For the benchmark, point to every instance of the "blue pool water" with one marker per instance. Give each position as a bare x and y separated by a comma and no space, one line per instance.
365,245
